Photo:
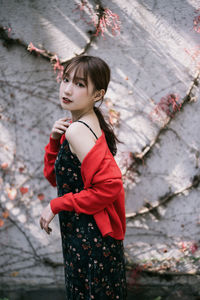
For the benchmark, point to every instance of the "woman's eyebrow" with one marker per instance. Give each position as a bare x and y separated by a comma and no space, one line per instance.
80,78
75,78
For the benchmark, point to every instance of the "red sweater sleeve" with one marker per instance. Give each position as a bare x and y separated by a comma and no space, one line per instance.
90,200
51,152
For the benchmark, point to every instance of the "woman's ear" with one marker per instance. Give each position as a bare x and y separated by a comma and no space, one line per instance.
99,95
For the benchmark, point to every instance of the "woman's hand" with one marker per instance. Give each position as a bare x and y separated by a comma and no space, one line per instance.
46,217
59,128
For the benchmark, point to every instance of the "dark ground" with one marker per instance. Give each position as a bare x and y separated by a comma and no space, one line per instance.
140,293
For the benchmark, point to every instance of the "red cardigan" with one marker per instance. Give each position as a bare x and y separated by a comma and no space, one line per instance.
103,193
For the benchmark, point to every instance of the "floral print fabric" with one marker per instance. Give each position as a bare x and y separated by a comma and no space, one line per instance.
94,265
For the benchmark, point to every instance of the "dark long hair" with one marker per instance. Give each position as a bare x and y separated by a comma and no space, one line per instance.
99,73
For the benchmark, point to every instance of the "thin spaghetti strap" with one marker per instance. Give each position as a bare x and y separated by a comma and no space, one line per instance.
89,128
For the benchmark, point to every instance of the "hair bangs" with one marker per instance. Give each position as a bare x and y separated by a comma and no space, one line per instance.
80,69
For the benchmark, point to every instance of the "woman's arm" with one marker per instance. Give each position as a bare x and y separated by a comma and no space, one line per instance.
90,200
102,181
80,138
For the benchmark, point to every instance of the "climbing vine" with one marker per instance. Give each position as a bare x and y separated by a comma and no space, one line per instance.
102,21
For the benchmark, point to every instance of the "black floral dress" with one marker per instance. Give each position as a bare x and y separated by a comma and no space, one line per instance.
94,265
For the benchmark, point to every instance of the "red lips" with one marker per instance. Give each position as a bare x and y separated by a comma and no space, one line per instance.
66,100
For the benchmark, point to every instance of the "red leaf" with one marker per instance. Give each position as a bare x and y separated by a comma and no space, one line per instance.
41,197
168,104
183,246
23,190
193,248
21,169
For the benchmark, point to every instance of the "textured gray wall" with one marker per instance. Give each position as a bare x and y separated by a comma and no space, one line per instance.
149,60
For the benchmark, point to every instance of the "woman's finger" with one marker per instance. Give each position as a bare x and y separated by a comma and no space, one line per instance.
47,229
41,223
65,124
65,119
46,217
45,226
59,131
60,127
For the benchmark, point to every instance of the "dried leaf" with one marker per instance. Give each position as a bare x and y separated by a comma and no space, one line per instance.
183,247
31,48
21,169
193,248
196,24
108,103
57,66
12,193
169,105
113,116
4,165
5,214
14,274
1,222
41,196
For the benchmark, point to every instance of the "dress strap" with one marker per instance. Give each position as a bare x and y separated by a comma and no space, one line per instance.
88,127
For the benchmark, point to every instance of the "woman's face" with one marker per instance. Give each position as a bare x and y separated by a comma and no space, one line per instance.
75,95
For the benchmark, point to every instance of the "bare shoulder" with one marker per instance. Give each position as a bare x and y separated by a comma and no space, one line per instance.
80,138
72,131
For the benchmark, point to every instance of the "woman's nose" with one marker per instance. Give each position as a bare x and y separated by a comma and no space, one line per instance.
68,88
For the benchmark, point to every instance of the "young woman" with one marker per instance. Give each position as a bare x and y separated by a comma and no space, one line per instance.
90,204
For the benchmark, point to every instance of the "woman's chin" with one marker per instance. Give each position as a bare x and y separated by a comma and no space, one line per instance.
64,106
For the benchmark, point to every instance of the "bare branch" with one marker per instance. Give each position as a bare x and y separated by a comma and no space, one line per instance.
153,207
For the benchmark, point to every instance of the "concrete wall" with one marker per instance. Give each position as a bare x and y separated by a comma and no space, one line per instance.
155,54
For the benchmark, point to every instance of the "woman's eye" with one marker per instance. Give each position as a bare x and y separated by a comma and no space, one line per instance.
80,84
65,79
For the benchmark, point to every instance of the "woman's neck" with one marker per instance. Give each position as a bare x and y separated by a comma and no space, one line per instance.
78,115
